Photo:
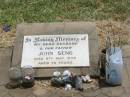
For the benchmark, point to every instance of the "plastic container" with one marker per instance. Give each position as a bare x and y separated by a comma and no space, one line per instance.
114,66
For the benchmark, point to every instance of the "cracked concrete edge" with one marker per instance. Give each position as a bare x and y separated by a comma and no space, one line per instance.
5,61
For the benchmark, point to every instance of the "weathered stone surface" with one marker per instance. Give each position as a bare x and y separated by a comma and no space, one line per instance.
3,91
21,92
126,51
81,28
5,61
126,60
58,29
127,66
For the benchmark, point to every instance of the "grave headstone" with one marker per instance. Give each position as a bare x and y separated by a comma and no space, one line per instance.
29,34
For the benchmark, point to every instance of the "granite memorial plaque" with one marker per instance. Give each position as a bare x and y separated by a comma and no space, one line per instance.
56,50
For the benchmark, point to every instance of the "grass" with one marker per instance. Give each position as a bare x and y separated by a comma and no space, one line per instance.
17,11
13,12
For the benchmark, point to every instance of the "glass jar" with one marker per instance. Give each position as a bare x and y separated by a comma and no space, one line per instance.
27,76
15,74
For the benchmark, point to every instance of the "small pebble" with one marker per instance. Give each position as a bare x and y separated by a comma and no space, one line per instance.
68,87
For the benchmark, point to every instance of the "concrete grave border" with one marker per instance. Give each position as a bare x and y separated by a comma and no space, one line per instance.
58,29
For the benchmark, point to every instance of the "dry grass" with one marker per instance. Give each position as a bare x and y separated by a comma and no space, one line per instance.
7,38
118,33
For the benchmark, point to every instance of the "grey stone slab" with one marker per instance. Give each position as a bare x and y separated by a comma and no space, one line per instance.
17,54
91,93
7,95
21,92
127,66
47,72
93,70
101,95
82,28
3,91
116,91
58,29
5,61
126,51
38,29
113,91
93,48
126,72
106,91
126,95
